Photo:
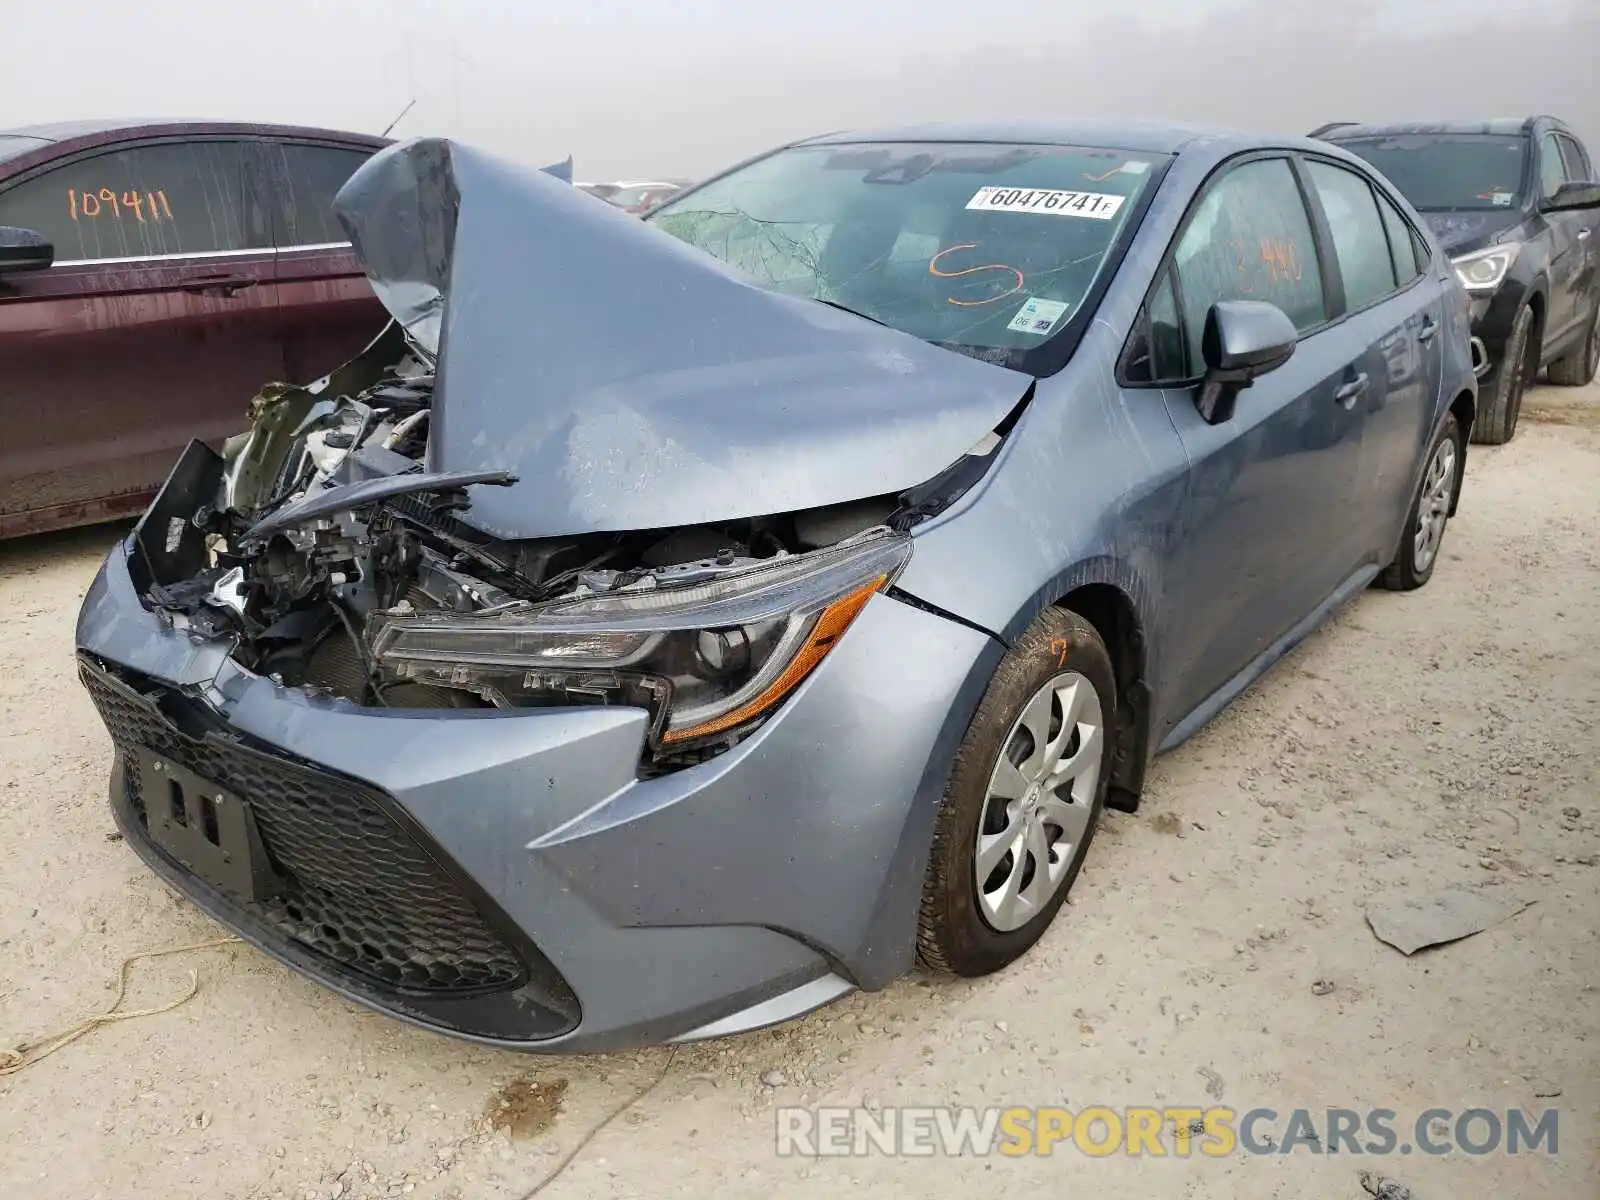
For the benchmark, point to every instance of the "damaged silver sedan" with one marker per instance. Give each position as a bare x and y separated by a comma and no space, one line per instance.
665,627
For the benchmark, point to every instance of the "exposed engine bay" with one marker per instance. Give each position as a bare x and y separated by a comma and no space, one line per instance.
338,564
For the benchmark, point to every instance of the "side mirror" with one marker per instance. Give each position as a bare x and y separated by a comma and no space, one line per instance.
1242,339
1572,195
23,250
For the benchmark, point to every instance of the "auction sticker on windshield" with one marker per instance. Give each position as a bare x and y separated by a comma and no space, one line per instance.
1098,205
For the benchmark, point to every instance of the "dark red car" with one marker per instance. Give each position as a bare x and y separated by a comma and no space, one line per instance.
152,277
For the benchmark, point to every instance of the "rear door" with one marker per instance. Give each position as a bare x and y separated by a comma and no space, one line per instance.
1269,532
328,309
154,326
1389,310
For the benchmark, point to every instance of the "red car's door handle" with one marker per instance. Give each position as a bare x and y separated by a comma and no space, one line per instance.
219,285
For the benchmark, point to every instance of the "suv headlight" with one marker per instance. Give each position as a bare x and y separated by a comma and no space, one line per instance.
707,659
1485,270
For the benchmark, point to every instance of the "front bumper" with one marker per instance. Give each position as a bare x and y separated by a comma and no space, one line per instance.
506,877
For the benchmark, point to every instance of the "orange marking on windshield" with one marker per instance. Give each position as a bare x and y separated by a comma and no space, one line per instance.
933,269
1106,176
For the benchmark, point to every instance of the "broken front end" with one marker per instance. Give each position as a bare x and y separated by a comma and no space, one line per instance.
332,561
481,783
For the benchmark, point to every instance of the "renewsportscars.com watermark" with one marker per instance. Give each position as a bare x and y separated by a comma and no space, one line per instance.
1099,1131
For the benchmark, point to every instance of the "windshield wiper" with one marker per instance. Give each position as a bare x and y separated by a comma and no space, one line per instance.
852,311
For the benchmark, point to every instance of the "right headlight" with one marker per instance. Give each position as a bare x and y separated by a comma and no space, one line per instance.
1485,270
706,658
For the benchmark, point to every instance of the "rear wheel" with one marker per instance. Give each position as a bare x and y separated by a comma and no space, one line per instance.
1497,418
1578,366
1023,801
1430,513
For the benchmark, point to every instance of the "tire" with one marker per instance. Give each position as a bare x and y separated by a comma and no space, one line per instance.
1419,553
1578,367
1060,663
1497,417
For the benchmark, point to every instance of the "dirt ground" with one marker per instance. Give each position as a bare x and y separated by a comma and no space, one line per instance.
1438,738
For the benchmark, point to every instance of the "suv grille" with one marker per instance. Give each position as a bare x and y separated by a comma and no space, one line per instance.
359,887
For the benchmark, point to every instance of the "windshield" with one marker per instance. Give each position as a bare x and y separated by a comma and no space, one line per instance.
1442,172
984,248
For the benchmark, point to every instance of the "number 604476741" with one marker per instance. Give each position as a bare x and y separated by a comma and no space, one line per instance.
107,202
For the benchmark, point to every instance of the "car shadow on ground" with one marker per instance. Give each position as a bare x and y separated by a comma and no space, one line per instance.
24,555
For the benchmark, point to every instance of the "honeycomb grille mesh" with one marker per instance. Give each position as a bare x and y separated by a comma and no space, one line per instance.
358,887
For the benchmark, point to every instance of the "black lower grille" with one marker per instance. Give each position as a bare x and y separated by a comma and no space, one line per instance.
358,886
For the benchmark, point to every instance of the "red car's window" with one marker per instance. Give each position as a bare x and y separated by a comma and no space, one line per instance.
303,201
174,198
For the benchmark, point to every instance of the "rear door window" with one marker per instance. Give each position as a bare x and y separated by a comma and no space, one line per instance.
1577,162
304,188
170,199
1552,171
1249,239
1360,241
1402,243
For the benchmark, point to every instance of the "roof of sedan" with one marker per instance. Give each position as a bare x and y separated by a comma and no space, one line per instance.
25,139
61,131
1500,126
1148,137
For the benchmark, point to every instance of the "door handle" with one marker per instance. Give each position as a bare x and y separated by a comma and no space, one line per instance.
1348,393
218,285
1429,328
1583,234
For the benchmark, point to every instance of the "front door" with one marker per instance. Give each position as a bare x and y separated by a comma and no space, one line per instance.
1269,529
156,325
1568,254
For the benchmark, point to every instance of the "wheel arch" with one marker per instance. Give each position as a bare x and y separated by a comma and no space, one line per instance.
1538,302
1118,601
1465,410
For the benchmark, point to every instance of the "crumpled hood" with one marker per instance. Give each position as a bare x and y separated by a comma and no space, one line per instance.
628,380
1462,232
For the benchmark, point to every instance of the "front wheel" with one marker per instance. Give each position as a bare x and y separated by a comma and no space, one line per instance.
1430,513
1499,410
1023,801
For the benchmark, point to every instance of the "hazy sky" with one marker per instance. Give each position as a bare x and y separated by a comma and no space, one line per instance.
682,87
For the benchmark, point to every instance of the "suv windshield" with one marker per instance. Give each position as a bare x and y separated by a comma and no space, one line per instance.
989,249
1443,172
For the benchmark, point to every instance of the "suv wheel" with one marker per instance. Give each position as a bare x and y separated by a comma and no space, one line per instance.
1578,366
1023,802
1497,417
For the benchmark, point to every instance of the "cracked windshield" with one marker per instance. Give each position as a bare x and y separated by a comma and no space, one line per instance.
990,250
